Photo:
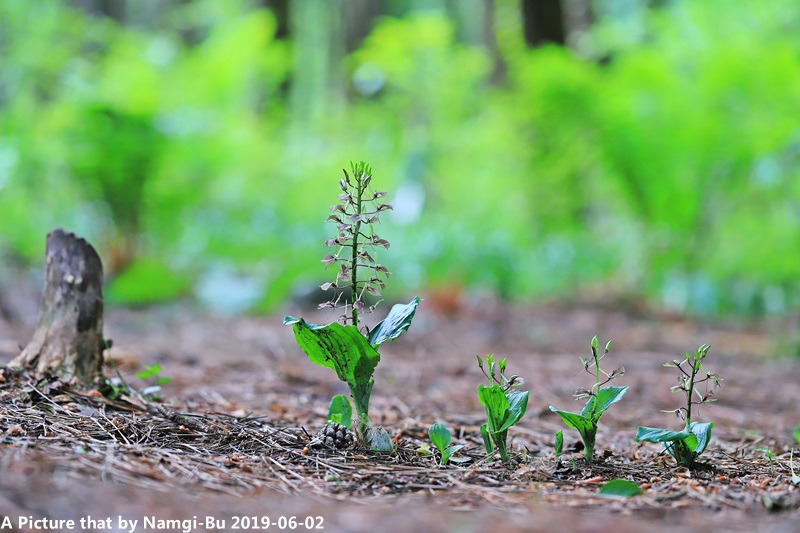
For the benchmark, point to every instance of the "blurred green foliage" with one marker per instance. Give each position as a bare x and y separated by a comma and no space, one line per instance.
659,157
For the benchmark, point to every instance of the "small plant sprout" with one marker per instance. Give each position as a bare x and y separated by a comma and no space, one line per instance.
440,437
599,399
686,445
153,373
769,455
344,347
504,406
340,411
559,445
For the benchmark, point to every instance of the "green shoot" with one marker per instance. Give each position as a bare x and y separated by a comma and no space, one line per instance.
440,437
340,411
504,407
351,353
559,444
769,455
686,445
599,399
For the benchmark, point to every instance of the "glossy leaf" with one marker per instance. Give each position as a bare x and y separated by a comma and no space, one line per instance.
495,402
396,322
600,402
649,434
517,405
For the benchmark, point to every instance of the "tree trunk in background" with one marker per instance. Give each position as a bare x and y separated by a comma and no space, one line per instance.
543,22
69,336
358,21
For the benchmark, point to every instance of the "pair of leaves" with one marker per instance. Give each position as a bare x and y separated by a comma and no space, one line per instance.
684,445
344,349
586,421
503,410
440,437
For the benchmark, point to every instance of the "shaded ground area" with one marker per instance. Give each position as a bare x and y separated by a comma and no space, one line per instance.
232,435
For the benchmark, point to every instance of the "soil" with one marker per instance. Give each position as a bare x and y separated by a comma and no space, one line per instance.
232,437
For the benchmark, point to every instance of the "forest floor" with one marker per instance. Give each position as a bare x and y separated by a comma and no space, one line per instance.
231,439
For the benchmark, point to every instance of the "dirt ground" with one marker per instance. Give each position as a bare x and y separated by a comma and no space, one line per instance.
231,438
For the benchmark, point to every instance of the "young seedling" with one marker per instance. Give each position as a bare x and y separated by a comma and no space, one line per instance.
504,406
340,411
600,399
559,445
350,351
769,455
440,437
686,445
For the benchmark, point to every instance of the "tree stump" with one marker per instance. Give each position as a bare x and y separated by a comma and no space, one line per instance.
69,337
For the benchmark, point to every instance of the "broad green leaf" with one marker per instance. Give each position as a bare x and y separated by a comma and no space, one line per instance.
659,435
559,443
702,431
517,404
575,421
620,488
396,322
340,411
495,402
440,436
342,348
600,402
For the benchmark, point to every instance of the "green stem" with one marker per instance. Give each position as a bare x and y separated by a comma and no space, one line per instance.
690,392
354,252
588,447
361,392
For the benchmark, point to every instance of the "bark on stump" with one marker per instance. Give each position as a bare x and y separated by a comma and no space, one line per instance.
69,336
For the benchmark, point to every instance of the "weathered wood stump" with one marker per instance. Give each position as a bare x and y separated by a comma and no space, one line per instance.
69,337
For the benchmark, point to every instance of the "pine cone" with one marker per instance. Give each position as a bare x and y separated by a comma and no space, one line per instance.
335,436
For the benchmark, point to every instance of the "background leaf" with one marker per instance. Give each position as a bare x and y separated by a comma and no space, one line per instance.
620,488
702,431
